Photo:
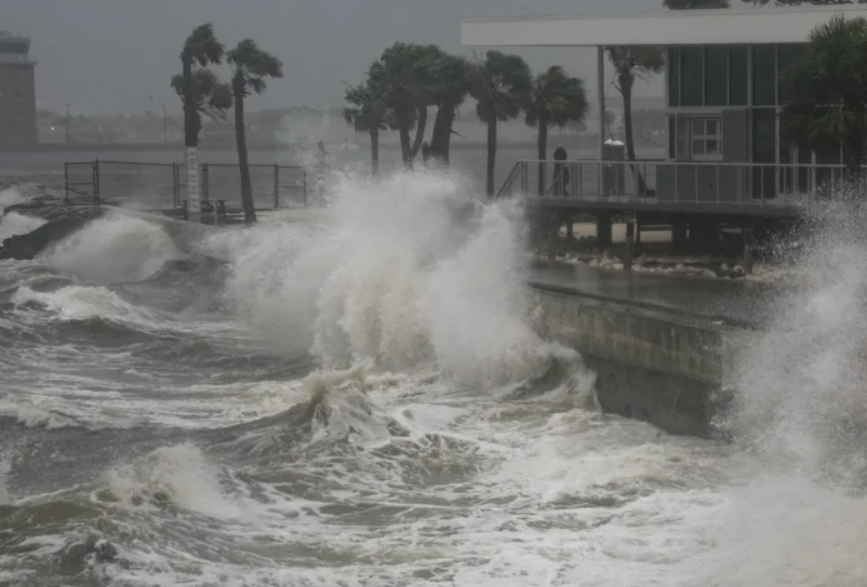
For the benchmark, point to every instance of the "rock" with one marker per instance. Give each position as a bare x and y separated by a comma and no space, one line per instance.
61,222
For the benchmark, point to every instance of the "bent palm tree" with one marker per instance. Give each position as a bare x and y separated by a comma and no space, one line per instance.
630,63
202,48
501,84
369,111
556,99
205,94
251,67
448,92
825,91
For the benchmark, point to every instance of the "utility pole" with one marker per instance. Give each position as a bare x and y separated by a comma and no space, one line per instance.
165,125
67,123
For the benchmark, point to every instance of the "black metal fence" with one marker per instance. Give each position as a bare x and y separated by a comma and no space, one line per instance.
162,186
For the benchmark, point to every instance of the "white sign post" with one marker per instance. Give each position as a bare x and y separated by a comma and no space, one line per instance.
194,198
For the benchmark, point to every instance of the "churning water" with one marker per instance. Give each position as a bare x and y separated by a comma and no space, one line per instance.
362,402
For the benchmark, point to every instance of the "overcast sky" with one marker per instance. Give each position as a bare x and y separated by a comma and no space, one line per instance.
113,55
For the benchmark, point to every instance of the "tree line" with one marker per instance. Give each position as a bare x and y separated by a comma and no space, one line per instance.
408,79
203,93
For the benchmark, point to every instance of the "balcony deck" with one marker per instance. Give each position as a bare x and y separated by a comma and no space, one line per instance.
742,189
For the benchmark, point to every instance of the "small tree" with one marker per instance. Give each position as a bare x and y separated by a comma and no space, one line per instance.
369,111
826,89
501,84
251,67
556,99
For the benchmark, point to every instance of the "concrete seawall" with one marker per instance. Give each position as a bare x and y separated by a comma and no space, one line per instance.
653,363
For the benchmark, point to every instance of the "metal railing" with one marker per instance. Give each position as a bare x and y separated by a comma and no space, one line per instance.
678,182
162,186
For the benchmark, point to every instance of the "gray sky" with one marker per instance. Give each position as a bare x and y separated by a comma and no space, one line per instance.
113,55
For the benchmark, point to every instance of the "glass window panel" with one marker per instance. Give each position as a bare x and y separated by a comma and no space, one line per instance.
788,56
691,76
673,71
764,75
698,126
698,147
672,137
716,75
712,147
711,127
764,135
738,75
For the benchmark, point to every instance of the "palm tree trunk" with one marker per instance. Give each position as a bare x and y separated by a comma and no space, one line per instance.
374,150
440,141
246,185
405,144
626,82
542,153
492,155
419,132
191,131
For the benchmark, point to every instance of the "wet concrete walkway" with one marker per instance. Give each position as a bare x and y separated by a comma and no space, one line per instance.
734,301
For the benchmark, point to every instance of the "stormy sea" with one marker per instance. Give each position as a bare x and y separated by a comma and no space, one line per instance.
360,400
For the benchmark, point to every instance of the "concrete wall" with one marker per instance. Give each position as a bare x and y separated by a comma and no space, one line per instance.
653,365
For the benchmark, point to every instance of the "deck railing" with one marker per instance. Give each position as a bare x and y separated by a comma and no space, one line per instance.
162,185
677,182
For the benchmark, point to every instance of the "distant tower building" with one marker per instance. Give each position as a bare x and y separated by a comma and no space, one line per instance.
17,92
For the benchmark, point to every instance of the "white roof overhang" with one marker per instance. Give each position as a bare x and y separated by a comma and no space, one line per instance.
686,27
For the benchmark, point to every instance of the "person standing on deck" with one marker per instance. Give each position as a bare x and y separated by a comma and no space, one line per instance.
561,172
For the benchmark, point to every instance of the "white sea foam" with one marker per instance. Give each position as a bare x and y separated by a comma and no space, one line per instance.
116,249
11,196
13,224
393,277
80,302
5,467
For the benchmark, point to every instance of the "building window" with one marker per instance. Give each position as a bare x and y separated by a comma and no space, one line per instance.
764,75
706,139
738,66
692,76
788,56
673,70
672,138
716,70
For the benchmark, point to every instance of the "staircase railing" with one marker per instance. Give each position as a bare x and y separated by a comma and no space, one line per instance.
517,172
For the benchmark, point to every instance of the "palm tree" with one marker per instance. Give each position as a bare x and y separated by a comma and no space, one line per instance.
501,85
369,111
203,94
449,90
251,67
556,99
630,63
825,90
407,72
202,48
